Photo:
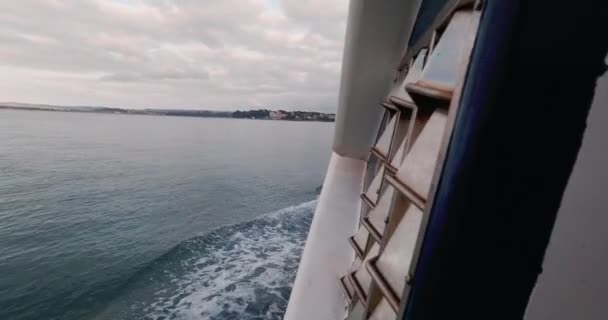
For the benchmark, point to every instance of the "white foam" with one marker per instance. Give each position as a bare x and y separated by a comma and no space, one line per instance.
258,261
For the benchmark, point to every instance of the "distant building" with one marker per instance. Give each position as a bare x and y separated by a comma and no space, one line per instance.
277,115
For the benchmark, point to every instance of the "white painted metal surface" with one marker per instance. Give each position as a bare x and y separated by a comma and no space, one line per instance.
397,219
316,293
398,157
377,32
358,312
383,311
377,217
374,188
361,239
445,61
384,142
402,133
376,37
417,168
362,275
396,258
414,73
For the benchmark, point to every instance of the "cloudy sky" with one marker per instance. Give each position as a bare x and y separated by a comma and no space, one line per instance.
210,54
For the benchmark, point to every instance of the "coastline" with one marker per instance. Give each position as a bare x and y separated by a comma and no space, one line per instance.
259,114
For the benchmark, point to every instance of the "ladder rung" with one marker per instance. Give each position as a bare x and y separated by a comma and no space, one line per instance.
378,154
427,96
358,251
402,103
358,290
367,201
347,294
375,233
391,170
379,280
408,192
429,91
389,106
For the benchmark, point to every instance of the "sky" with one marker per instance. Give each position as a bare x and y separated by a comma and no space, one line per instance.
196,54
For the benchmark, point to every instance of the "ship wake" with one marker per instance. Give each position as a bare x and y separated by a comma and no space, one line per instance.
242,271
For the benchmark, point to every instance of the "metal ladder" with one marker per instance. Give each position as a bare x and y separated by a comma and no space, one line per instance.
403,167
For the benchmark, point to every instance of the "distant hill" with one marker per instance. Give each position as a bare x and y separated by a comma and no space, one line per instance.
260,114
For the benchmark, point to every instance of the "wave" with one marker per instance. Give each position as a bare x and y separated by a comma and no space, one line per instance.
241,271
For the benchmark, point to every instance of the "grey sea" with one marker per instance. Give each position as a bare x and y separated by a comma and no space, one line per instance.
107,216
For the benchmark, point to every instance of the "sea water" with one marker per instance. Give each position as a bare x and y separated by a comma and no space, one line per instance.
107,216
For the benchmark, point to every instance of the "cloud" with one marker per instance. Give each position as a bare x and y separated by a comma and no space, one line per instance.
156,75
214,54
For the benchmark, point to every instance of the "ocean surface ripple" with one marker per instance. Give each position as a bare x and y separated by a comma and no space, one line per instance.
241,271
107,216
